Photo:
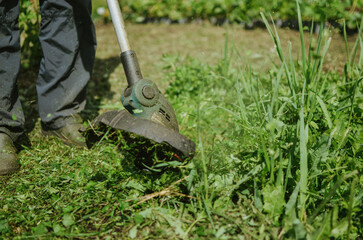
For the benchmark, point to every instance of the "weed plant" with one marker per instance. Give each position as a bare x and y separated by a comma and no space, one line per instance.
279,157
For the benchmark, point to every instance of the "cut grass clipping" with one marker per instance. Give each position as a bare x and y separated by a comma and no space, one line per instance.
145,153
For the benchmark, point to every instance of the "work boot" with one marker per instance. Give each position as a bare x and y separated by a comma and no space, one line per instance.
69,134
8,159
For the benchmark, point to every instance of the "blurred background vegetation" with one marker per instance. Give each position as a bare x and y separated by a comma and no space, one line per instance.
239,11
245,12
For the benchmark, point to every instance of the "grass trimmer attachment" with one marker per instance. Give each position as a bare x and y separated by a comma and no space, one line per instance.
148,113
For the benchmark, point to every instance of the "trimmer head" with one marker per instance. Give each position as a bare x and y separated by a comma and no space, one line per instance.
123,120
148,113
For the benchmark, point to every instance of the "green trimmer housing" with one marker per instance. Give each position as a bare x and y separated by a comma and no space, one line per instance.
148,113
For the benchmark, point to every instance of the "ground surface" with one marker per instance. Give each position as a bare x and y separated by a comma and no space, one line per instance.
243,182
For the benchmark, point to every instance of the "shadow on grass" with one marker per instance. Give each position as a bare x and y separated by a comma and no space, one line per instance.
97,90
99,87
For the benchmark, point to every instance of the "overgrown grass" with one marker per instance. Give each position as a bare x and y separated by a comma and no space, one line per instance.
279,156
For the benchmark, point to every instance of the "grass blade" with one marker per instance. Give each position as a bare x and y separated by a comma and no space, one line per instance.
292,200
346,43
353,53
275,37
293,71
303,156
325,111
275,91
330,194
303,162
351,205
303,54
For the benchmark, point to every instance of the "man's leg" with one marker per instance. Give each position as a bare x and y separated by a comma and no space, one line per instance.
68,40
11,113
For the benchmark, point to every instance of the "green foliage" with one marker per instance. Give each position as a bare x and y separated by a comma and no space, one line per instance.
29,23
274,202
295,127
246,10
349,11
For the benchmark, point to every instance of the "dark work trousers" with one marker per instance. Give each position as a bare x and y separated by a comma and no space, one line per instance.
68,40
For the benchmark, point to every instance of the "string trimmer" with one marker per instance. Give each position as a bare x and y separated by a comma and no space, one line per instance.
148,113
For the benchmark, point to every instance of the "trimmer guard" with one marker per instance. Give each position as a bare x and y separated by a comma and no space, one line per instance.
123,120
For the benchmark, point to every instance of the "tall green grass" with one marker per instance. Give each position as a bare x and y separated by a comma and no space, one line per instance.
288,141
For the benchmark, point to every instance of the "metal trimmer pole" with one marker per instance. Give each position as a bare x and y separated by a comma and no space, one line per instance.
118,24
128,56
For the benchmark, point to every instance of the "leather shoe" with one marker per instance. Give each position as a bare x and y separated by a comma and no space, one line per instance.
69,134
8,158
